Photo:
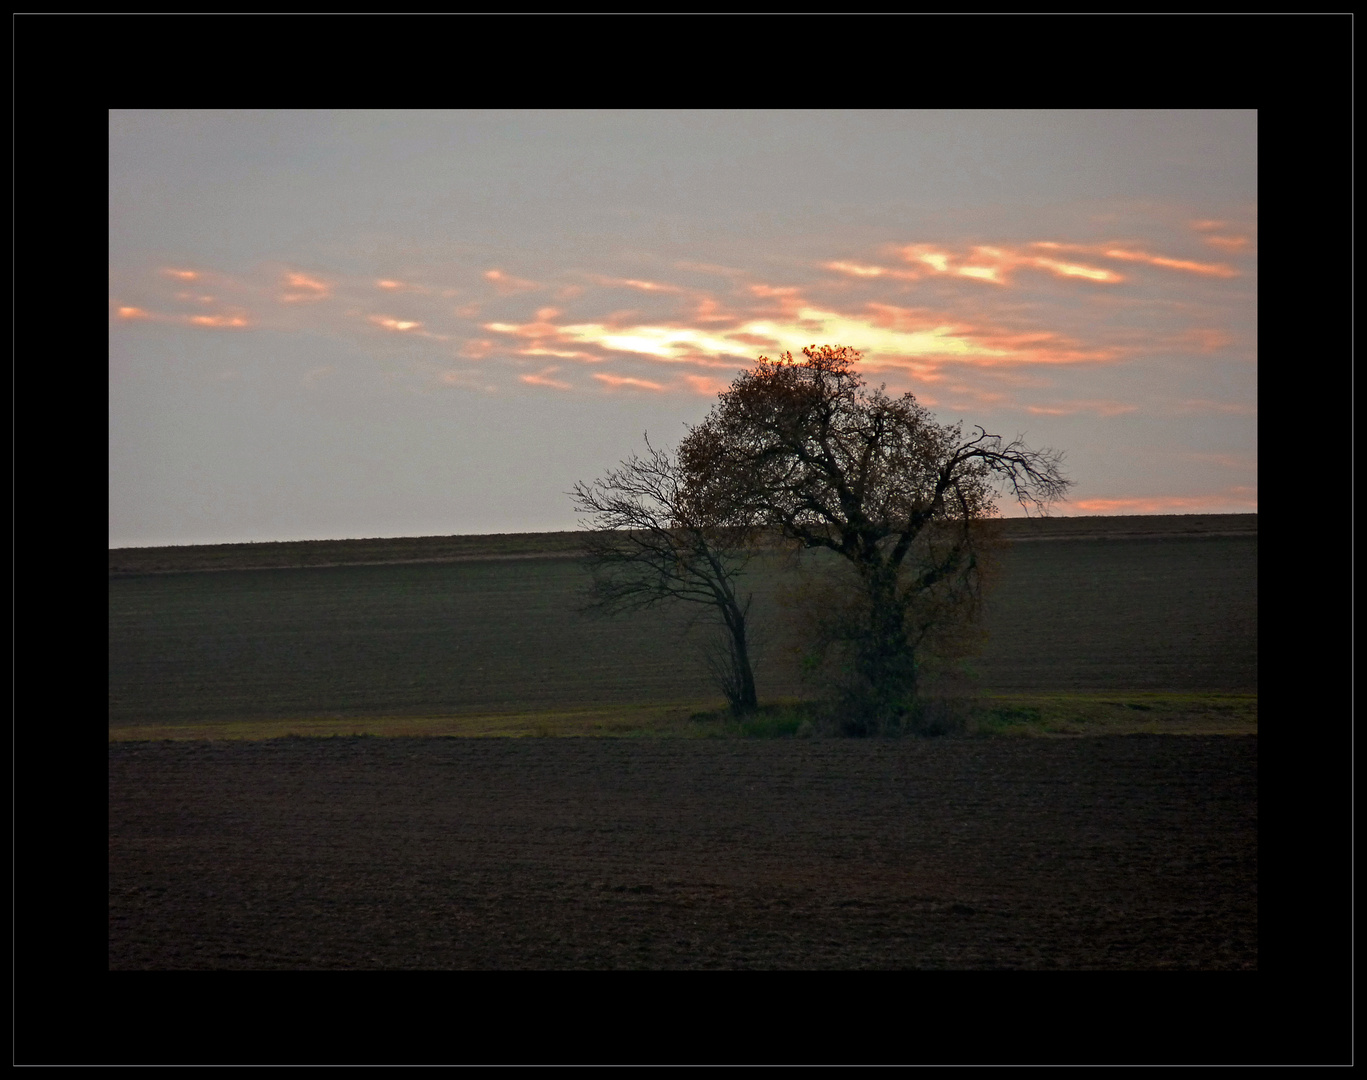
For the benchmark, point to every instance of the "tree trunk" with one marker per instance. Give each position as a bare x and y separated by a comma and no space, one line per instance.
745,701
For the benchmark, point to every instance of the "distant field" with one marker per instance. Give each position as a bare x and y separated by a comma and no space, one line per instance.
423,549
1165,604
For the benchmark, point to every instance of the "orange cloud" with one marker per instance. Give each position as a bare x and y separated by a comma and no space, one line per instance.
386,283
218,321
184,275
541,327
618,380
1170,504
133,313
705,385
864,270
758,341
401,325
995,264
306,288
1124,254
1228,243
1205,269
636,283
542,378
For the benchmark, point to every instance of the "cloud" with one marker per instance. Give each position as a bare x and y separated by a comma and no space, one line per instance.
399,325
705,385
1069,408
991,263
670,344
1187,265
387,283
183,275
134,313
617,381
1228,240
1206,339
543,378
635,283
1232,244
1236,500
218,322
1130,254
304,288
506,284
1200,405
865,270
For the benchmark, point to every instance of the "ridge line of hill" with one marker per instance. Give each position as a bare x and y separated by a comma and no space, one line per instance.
299,554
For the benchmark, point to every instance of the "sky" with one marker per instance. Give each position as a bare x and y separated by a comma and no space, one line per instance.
337,324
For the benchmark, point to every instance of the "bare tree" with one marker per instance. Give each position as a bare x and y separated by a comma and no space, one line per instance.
802,446
647,545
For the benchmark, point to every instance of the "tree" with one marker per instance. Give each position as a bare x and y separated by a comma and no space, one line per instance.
802,446
647,545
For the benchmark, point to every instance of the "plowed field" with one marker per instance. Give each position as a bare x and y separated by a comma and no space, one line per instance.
1116,853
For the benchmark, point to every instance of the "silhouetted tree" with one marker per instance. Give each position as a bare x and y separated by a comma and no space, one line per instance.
647,546
802,446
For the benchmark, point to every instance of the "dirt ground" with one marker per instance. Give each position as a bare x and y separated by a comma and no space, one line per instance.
1115,852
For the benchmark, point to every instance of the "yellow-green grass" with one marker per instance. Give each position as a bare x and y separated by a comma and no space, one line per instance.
607,722
1021,715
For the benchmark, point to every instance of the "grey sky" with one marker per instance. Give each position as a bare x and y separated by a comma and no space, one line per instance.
383,324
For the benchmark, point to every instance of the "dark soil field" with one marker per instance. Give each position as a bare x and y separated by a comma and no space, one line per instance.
1103,853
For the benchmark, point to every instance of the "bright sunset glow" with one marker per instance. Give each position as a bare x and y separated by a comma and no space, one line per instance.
218,320
394,324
